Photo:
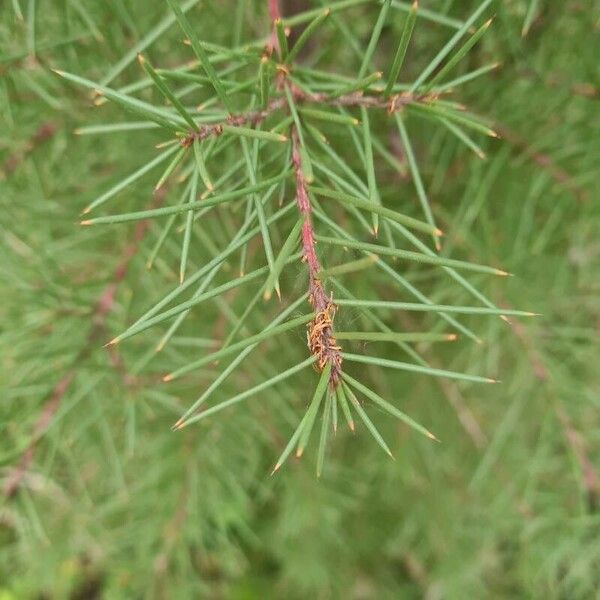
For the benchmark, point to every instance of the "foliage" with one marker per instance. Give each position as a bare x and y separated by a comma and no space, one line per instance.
91,473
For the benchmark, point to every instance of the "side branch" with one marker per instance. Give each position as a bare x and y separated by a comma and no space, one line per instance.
255,117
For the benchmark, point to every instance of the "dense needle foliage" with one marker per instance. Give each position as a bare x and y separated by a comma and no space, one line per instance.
263,210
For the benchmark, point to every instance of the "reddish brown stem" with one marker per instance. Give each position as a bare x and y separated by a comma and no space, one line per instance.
254,117
321,340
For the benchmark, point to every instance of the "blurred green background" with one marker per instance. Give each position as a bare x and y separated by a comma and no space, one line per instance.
112,504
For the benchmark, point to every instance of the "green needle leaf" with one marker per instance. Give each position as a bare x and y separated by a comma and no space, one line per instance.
387,406
439,57
409,255
202,166
166,92
281,39
365,419
414,306
143,109
376,208
288,247
324,115
241,345
324,432
356,86
341,396
458,56
409,25
313,408
200,54
171,167
416,176
394,364
380,336
172,312
370,165
251,392
255,133
187,233
374,37
197,205
305,35
113,191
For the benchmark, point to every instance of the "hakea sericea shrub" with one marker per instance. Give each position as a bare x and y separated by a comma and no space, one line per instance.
273,119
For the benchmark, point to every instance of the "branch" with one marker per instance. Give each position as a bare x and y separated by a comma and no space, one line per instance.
255,117
321,340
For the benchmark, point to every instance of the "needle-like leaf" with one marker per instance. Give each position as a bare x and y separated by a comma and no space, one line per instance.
376,208
324,432
387,406
409,25
409,255
167,93
200,53
313,409
305,35
413,306
248,341
394,364
365,419
246,394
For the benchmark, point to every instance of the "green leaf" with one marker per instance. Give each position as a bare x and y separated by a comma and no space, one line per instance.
113,191
143,109
394,364
414,306
409,255
200,53
236,361
288,247
202,166
416,175
379,336
324,433
458,56
305,35
356,86
281,39
167,93
325,115
254,133
365,419
246,394
387,406
248,341
376,208
187,233
264,81
409,25
344,404
368,55
197,205
171,167
313,409
309,15
172,312
154,34
439,57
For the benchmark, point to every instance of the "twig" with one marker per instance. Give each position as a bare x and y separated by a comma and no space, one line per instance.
321,340
254,117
